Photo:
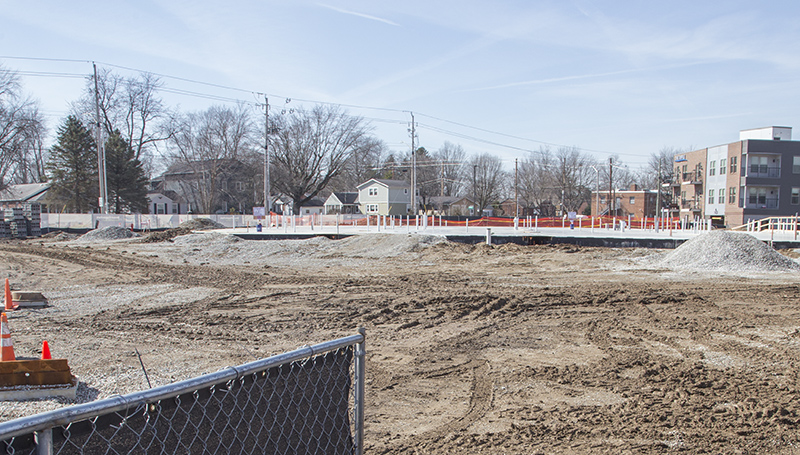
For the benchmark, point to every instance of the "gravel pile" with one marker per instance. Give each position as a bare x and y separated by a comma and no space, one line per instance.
223,249
107,233
727,252
199,224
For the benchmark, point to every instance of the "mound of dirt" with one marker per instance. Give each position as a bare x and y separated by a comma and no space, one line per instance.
199,224
107,233
727,252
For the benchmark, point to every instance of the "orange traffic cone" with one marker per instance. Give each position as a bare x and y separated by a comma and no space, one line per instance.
9,304
46,351
6,345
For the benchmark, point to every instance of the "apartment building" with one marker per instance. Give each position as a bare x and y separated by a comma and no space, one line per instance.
756,177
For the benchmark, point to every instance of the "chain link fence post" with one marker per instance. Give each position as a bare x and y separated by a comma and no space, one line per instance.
360,379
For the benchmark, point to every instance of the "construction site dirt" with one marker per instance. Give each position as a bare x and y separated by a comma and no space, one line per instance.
472,349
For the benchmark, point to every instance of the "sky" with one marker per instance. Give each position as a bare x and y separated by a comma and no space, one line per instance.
612,78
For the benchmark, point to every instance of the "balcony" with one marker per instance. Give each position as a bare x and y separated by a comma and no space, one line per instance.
762,170
692,178
690,204
759,202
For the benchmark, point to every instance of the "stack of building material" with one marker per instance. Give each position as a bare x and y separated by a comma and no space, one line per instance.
32,211
16,222
21,221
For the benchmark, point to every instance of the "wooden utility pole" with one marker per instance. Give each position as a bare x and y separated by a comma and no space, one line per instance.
516,193
658,191
101,156
267,196
413,166
610,185
441,189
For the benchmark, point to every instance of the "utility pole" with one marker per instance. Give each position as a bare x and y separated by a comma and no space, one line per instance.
441,189
658,191
475,190
610,185
101,156
267,196
516,193
413,166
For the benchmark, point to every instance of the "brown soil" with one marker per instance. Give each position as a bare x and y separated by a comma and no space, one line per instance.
471,349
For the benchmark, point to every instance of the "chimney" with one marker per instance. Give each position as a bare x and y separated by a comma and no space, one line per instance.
634,187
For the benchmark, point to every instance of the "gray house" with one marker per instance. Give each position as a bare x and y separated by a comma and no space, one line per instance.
384,197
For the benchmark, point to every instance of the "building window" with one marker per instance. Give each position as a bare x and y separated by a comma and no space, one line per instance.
239,186
795,196
223,185
732,195
373,191
723,166
683,196
712,168
721,197
765,198
632,200
372,208
734,159
710,196
759,164
796,165
174,208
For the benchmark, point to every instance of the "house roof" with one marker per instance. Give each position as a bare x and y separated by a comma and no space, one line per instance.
346,198
314,202
27,192
385,182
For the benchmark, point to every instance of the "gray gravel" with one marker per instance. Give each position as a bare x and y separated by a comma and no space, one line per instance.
107,233
726,251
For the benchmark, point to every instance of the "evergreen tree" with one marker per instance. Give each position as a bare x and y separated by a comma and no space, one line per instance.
127,183
73,168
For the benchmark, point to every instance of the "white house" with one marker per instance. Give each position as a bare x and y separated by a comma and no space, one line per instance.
341,202
167,203
314,206
384,197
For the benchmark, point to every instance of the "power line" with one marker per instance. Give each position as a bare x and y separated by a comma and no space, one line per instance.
259,94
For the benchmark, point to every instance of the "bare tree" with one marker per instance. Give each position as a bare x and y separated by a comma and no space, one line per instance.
572,177
364,163
535,182
450,158
311,148
130,105
21,134
206,148
487,181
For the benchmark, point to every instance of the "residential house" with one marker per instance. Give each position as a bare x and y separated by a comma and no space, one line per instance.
314,206
756,177
166,203
634,202
384,197
15,195
342,202
452,205
215,186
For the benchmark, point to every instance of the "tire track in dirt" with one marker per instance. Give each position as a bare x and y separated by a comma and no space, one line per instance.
480,401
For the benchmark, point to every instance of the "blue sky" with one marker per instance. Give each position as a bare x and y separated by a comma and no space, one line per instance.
611,77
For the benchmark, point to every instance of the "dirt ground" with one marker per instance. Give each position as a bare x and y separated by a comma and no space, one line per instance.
471,349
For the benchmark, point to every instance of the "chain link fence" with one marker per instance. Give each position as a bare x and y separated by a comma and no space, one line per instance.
308,401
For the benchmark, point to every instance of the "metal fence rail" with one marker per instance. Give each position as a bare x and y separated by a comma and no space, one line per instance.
310,400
